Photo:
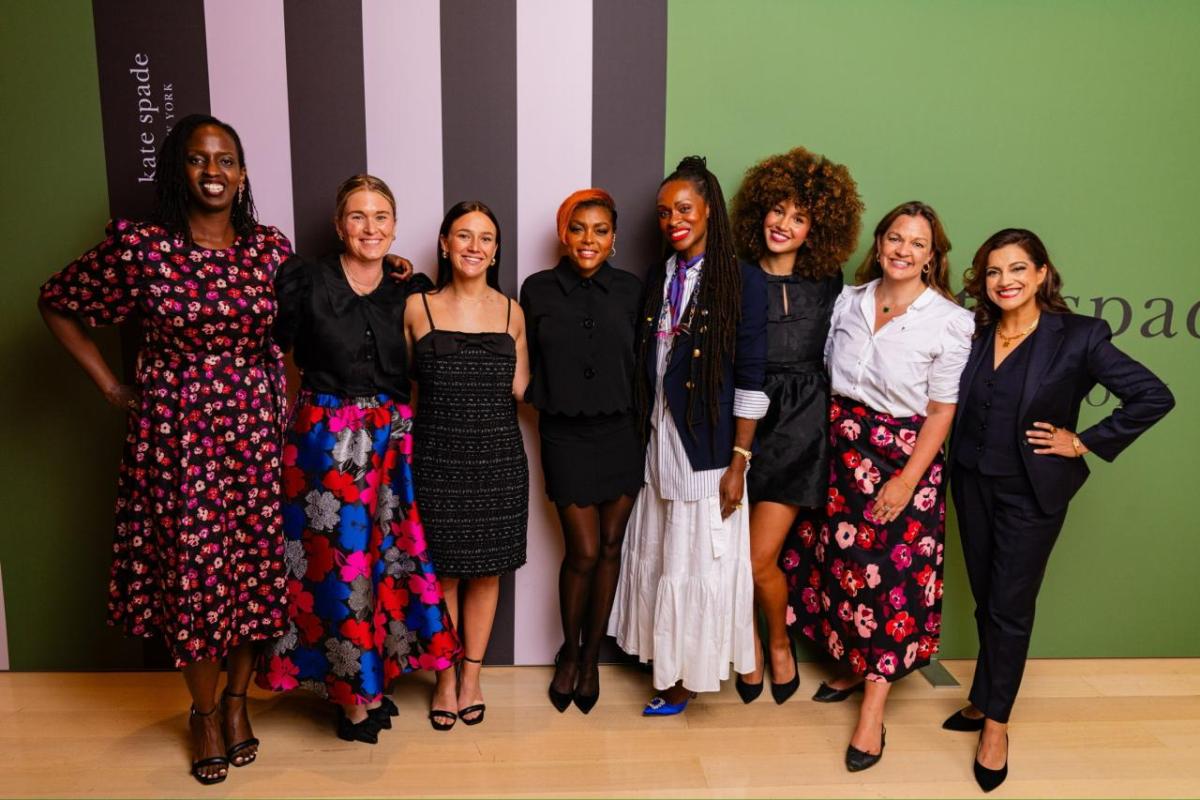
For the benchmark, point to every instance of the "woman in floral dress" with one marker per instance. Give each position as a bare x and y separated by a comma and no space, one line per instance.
198,554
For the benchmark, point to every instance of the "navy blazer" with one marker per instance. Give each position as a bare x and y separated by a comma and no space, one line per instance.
710,446
1071,354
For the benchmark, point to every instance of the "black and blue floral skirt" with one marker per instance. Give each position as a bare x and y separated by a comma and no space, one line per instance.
365,604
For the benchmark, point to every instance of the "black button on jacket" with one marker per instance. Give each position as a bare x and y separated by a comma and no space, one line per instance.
581,338
344,343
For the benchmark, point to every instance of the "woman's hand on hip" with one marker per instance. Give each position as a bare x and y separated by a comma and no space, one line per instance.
1049,440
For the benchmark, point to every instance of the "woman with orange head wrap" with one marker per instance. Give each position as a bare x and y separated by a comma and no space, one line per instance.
581,316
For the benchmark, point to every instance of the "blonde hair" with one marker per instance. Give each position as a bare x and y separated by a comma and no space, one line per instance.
357,183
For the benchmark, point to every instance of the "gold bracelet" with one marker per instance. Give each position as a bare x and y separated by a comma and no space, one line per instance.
1077,446
743,452
900,478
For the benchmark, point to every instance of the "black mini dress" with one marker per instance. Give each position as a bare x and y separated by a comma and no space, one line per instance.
581,333
791,459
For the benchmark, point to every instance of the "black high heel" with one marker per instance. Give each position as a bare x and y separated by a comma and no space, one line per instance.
233,750
560,700
782,691
858,760
749,692
958,721
214,761
477,708
827,694
989,779
585,702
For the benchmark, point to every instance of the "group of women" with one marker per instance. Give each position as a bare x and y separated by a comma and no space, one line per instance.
365,539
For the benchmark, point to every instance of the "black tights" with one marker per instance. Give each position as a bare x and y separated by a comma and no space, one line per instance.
587,580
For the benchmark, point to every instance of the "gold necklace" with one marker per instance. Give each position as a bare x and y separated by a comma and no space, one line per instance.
1006,340
358,288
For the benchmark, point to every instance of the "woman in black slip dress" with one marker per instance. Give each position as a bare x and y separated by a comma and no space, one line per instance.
796,215
471,474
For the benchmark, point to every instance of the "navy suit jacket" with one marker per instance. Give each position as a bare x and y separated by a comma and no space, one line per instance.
710,446
1071,354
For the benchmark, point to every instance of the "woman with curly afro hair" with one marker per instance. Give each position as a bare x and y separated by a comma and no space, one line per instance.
796,215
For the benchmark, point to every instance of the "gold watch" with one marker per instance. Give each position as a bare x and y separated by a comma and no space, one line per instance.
743,452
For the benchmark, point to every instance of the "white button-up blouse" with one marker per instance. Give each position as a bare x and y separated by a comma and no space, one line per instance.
915,357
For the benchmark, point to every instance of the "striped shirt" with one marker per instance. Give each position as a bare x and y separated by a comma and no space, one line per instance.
667,467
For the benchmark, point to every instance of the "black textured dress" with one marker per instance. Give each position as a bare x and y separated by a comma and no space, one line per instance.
791,459
471,474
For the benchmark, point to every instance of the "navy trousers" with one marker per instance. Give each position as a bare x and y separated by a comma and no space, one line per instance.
1006,544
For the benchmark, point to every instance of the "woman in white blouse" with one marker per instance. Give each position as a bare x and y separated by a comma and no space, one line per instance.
897,345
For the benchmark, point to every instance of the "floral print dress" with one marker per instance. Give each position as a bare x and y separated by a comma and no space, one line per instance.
198,553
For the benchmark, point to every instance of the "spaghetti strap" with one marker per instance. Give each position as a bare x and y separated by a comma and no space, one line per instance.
429,316
508,314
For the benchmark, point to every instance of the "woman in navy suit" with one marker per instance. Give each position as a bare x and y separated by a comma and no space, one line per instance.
686,590
1017,460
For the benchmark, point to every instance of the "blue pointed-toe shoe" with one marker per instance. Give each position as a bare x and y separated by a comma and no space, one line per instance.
659,707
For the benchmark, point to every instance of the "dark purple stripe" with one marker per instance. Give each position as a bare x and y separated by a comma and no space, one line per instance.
629,119
479,157
153,68
479,115
324,44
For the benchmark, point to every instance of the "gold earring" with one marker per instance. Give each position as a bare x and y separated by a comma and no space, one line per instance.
493,263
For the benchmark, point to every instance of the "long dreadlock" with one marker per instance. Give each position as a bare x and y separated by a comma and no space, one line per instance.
715,308
172,196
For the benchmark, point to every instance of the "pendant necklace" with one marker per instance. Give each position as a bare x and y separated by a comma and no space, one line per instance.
1006,340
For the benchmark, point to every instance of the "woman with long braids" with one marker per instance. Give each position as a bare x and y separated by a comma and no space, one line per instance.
581,317
685,594
897,345
796,215
1016,459
198,550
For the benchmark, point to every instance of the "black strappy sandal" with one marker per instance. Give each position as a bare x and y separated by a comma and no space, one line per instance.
214,761
234,750
478,708
438,717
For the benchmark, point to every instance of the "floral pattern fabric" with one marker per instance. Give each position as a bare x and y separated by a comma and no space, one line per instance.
365,602
871,592
198,550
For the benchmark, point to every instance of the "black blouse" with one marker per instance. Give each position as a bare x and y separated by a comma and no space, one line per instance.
344,343
581,334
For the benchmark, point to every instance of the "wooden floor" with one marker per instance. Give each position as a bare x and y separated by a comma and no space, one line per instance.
1102,728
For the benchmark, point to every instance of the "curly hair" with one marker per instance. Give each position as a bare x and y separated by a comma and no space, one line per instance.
173,198
821,187
1049,294
936,275
719,292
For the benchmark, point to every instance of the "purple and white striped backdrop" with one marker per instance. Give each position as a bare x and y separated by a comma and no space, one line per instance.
514,102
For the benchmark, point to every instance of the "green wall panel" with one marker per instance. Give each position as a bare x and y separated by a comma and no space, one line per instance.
1076,119
60,441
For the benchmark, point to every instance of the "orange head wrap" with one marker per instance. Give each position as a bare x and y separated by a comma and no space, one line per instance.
576,199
